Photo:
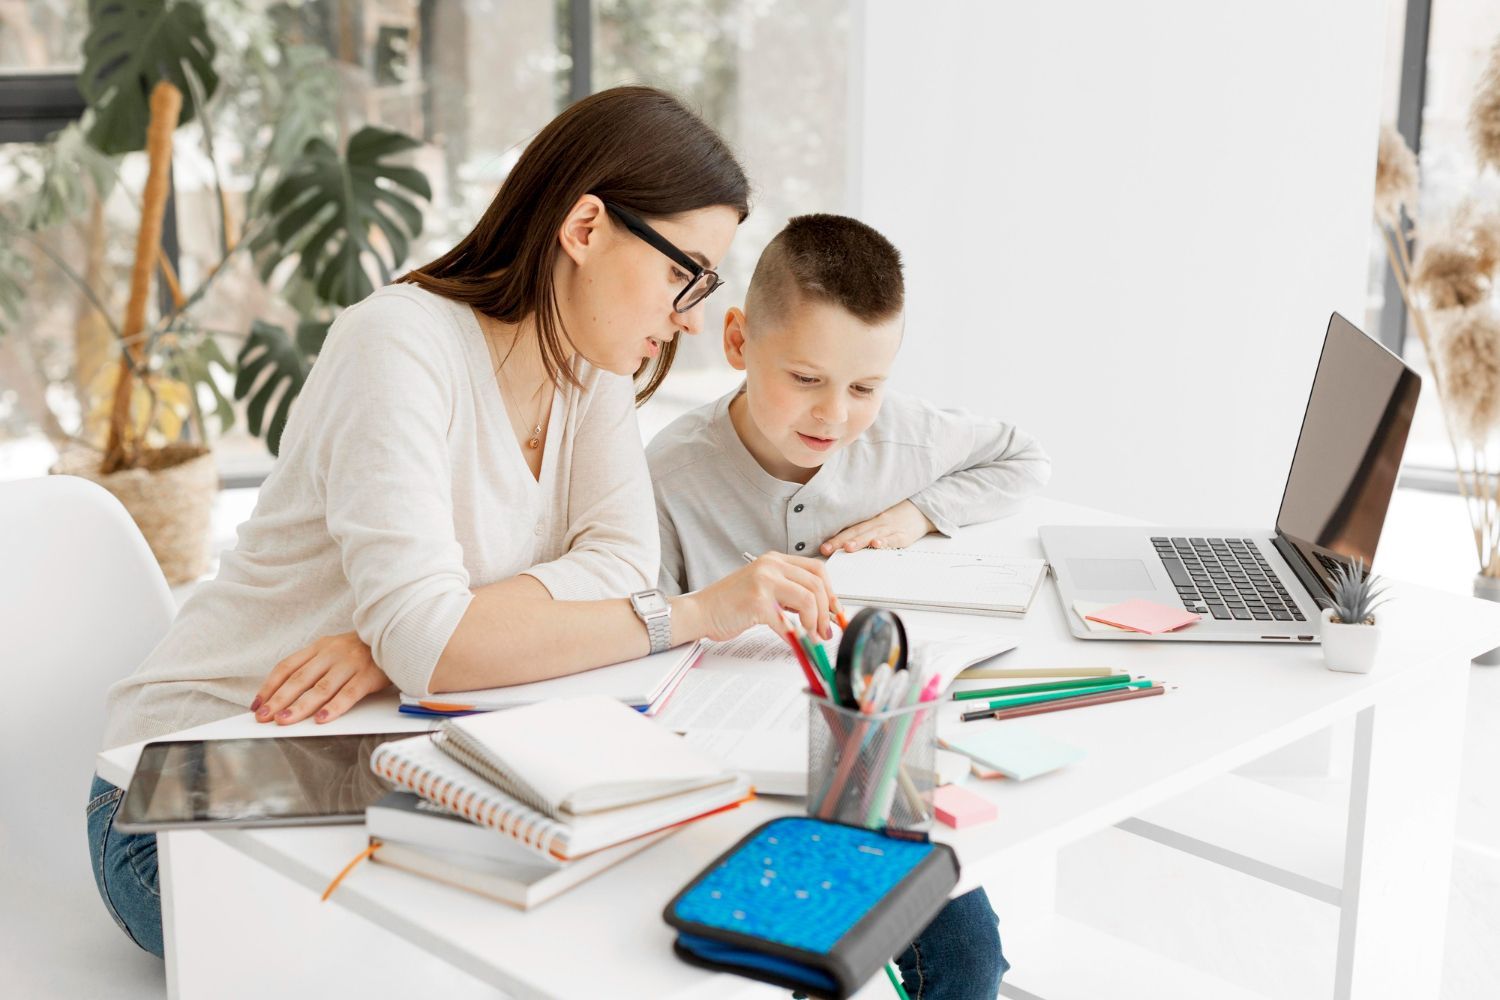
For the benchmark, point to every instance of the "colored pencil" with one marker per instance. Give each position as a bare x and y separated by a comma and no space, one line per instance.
1085,682
1059,706
1000,705
1003,673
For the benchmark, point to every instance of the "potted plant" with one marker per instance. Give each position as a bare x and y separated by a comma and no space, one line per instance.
1350,634
1449,276
341,216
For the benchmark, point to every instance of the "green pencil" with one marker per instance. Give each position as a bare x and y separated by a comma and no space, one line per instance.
1085,682
1035,699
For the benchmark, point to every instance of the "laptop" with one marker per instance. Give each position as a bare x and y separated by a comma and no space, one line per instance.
1264,585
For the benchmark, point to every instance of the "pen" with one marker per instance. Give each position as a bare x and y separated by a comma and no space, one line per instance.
1000,692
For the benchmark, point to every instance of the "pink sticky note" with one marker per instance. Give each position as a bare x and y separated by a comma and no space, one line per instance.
1144,616
959,807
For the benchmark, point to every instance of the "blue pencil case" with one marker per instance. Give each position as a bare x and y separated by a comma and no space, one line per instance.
810,905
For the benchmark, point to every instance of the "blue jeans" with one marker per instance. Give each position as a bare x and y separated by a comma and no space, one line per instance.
124,869
958,956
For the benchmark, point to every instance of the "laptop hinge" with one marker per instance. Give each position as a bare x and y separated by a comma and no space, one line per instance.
1305,574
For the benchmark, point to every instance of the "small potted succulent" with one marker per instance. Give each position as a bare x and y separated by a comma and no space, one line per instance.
1350,635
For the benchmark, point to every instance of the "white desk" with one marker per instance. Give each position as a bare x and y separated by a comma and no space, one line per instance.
242,917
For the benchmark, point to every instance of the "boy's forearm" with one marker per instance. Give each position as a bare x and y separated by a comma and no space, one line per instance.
985,491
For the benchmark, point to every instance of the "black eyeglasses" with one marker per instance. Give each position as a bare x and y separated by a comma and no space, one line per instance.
703,281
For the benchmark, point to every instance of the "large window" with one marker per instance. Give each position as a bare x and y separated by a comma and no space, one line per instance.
1437,53
472,79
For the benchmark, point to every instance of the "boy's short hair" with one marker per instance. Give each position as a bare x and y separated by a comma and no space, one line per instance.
827,258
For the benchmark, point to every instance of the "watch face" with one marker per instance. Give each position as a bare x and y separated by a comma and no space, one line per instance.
650,603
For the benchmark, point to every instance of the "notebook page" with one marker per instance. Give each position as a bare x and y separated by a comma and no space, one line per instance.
945,579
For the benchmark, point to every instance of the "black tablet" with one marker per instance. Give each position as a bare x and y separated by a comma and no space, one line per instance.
267,781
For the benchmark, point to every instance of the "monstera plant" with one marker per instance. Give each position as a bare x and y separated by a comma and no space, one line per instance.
324,224
325,212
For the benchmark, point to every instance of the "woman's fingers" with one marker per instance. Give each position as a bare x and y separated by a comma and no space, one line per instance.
806,592
293,687
315,697
279,674
363,683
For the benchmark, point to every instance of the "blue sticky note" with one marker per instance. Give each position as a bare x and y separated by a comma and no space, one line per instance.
1014,751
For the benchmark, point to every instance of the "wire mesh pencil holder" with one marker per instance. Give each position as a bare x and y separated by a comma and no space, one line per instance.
874,770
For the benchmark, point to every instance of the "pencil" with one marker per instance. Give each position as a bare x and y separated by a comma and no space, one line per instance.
1058,706
1000,705
813,682
1084,682
1002,673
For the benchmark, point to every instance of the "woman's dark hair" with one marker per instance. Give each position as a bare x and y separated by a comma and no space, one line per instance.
635,146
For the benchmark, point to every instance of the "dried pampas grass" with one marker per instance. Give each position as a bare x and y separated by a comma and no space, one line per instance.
1456,268
1447,272
1484,114
1470,365
1395,178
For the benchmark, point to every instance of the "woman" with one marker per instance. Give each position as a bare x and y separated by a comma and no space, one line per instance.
461,482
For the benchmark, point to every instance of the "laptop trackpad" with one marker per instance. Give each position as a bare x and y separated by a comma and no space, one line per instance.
1110,574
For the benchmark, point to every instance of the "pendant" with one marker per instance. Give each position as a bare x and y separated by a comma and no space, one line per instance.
536,438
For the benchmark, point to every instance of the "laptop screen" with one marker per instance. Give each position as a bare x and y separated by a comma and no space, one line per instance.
1349,451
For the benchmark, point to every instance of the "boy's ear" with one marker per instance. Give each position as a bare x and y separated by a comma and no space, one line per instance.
734,338
582,228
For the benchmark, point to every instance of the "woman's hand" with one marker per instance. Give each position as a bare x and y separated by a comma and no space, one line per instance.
755,595
327,678
893,528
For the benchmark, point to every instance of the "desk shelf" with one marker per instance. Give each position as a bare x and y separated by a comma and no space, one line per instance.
1279,837
1069,960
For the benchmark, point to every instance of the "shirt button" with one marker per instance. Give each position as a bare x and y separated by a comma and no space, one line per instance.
801,546
538,530
797,509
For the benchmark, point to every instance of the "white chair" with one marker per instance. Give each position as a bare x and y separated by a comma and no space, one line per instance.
82,602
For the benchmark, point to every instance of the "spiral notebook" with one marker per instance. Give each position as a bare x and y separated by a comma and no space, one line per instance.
577,754
934,580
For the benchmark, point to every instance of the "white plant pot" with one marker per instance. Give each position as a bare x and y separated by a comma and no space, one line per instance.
1350,648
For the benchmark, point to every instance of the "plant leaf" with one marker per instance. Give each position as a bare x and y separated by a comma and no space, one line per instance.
326,208
132,45
72,171
194,366
15,276
271,352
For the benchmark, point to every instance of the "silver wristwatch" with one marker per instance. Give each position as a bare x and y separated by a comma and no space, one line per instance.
652,607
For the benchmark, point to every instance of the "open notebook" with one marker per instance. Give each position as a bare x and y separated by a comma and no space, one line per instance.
565,778
934,580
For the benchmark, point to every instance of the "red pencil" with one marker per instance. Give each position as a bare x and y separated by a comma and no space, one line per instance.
807,668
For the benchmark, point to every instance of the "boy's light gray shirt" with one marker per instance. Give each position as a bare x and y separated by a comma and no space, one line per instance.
714,501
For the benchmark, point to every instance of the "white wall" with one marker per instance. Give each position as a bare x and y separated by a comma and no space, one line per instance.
1125,225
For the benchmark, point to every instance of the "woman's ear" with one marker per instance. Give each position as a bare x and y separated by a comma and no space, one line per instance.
735,330
582,229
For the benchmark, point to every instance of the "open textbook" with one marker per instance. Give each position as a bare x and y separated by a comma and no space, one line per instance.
744,701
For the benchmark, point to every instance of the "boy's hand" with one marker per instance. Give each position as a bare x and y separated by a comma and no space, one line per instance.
895,528
327,677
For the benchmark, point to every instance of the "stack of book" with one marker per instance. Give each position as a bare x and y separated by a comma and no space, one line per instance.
522,804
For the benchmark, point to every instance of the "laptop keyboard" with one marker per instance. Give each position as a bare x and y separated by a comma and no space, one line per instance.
1227,578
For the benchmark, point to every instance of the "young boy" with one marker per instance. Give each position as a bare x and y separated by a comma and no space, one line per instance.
813,454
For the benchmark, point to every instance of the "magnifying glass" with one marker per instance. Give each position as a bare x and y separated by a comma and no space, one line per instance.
875,636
